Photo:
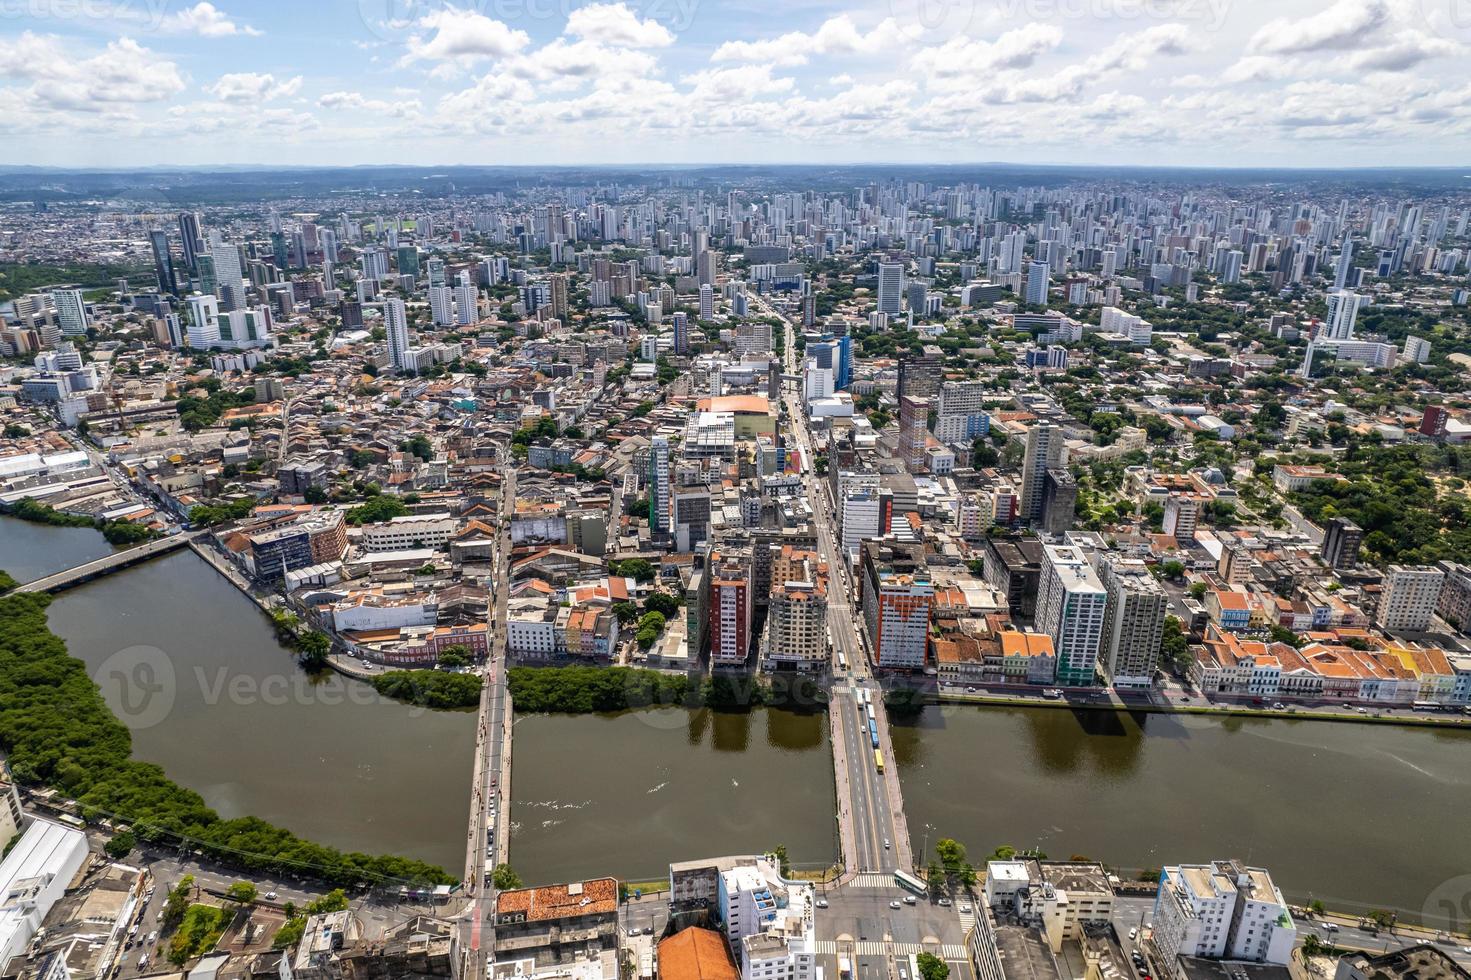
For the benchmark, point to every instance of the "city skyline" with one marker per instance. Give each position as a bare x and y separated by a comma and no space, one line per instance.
1113,82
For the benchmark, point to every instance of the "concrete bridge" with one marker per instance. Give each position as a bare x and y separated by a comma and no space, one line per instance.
86,572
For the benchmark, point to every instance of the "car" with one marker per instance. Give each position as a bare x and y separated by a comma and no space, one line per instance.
944,903
1278,705
886,843
965,906
1133,933
970,690
910,900
1466,950
272,896
893,905
822,903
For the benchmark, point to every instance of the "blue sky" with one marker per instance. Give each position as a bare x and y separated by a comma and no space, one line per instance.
1188,82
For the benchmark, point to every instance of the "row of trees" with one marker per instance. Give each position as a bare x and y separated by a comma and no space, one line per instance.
58,732
587,690
118,533
430,688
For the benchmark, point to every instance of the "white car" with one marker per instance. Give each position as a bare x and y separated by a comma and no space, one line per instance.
893,905
965,906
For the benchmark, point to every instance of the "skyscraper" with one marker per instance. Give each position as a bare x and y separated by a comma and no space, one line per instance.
1037,283
913,432
1071,609
163,264
441,305
396,323
1343,312
659,484
1044,452
891,287
707,301
190,236
467,301
71,311
1133,626
226,259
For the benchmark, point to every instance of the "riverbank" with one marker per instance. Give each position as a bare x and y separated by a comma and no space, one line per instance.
58,732
1116,705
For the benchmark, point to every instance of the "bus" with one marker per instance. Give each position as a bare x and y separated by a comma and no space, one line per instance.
873,732
878,760
1428,706
906,880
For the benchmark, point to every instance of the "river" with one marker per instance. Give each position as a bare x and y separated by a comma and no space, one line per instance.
1356,815
30,551
238,722
626,794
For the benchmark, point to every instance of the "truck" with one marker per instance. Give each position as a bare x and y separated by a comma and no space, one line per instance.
845,968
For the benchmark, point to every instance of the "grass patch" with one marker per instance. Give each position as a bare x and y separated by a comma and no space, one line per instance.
202,927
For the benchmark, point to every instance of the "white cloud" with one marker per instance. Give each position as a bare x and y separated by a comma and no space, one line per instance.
1405,50
205,20
357,102
253,86
615,24
123,73
726,85
837,35
965,59
463,37
1343,26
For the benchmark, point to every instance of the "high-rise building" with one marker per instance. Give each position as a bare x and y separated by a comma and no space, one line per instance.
897,598
442,305
1182,514
396,325
1059,501
559,294
1343,312
163,263
914,432
731,606
891,287
1037,283
919,374
1341,541
203,329
659,484
796,619
1134,623
1044,452
707,301
408,260
705,267
71,312
467,303
679,321
191,238
1410,595
228,277
1071,609
1222,910
961,412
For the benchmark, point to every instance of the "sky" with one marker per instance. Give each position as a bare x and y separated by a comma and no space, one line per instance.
1294,83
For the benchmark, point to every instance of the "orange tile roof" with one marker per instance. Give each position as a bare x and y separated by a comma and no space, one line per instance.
696,954
594,897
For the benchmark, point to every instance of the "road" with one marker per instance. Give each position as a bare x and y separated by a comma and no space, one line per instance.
489,833
871,821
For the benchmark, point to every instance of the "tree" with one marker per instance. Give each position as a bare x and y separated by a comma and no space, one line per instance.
637,569
626,612
649,628
1174,649
314,646
663,603
782,861
178,903
1173,569
241,892
1197,590
121,844
504,878
931,967
457,655
315,495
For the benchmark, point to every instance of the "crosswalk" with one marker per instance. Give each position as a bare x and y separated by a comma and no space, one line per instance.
871,879
947,951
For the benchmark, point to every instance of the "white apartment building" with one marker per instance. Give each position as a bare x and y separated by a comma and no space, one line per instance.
1071,609
769,921
861,517
1222,910
977,515
1136,328
1134,623
1410,596
410,531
